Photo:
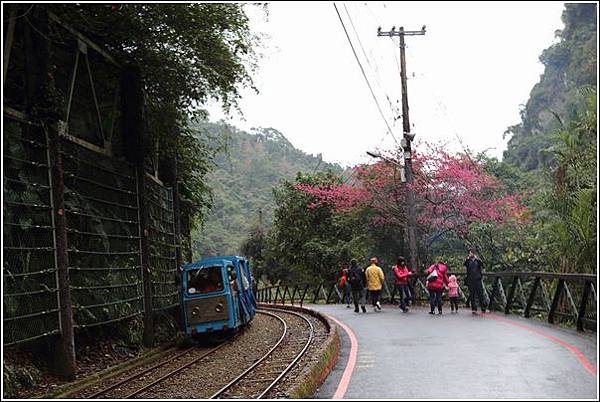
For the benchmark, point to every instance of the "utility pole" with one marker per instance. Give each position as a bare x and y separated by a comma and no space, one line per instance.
406,143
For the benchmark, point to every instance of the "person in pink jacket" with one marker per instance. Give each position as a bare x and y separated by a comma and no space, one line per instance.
453,293
436,282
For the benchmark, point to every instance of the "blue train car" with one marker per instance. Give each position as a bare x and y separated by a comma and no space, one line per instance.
217,295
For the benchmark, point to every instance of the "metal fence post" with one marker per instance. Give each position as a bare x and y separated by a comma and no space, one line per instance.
64,364
133,127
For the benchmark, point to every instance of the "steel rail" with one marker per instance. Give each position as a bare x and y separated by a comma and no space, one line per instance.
293,363
137,375
177,370
249,369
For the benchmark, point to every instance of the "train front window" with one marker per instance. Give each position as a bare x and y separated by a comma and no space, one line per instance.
204,280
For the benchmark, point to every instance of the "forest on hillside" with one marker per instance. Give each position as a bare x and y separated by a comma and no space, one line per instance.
570,65
250,165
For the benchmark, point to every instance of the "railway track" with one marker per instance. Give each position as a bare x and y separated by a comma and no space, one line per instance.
147,378
261,377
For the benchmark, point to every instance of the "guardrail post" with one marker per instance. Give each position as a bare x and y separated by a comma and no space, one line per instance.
294,293
285,292
303,294
276,295
393,295
494,292
133,127
555,299
511,294
582,307
317,293
329,294
531,298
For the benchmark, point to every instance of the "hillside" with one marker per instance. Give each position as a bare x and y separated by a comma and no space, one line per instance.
570,64
242,181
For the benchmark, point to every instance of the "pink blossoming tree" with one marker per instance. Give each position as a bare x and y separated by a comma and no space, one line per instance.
452,192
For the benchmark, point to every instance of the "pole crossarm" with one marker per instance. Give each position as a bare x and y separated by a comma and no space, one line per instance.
400,32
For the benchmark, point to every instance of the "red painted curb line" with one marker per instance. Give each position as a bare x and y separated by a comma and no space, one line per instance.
588,366
345,381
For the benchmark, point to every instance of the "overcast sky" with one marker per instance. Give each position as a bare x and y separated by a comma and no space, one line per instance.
468,75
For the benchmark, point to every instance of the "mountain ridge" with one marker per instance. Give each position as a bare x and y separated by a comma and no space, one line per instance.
254,162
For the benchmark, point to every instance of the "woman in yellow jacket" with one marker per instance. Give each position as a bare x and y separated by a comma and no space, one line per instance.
375,278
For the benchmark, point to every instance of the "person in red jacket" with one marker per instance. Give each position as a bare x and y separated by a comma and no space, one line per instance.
436,284
402,273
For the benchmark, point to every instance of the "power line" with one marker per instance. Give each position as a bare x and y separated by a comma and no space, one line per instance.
363,73
395,111
377,22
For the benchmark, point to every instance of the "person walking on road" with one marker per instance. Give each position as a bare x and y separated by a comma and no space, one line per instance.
453,293
356,279
402,273
345,287
473,281
375,277
437,280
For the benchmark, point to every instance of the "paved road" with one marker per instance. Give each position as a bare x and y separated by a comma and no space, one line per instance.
418,356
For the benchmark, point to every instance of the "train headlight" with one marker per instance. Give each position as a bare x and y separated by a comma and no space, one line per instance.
219,307
195,311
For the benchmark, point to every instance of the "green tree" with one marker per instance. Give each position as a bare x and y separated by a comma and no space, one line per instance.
574,197
313,244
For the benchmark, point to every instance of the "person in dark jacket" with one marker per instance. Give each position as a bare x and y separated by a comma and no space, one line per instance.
473,281
402,273
356,279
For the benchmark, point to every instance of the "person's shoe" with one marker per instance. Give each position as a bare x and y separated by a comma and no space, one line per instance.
364,309
356,310
473,312
432,312
439,313
378,306
347,306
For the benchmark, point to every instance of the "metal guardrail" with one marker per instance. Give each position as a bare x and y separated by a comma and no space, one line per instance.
573,301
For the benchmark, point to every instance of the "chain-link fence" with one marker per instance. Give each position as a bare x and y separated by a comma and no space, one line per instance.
162,239
103,237
101,202
30,304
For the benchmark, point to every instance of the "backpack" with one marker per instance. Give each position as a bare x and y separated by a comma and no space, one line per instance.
433,275
353,277
342,282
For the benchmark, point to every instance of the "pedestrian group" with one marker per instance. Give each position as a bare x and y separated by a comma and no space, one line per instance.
362,284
